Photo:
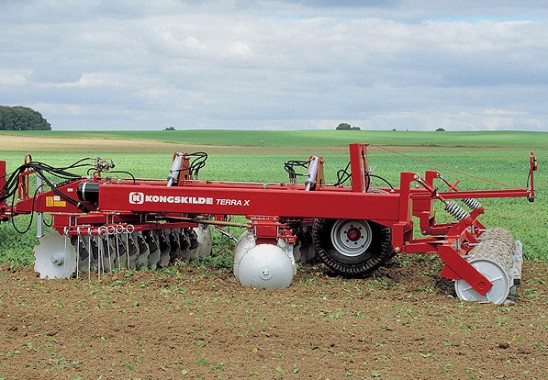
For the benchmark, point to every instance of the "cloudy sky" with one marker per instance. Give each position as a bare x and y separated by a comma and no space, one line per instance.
404,64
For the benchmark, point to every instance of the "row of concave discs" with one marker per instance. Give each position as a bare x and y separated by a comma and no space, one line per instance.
138,249
56,257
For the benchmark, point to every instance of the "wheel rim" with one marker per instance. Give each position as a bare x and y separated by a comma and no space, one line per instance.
351,237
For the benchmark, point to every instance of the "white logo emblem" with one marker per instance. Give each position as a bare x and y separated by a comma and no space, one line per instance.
136,198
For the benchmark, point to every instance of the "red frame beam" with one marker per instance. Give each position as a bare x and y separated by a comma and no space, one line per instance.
289,203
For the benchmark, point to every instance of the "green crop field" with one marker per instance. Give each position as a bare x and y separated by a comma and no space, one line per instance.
455,154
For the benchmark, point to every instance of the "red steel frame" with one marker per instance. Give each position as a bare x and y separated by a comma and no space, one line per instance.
274,209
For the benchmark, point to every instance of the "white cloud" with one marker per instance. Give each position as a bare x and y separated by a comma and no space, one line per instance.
277,64
13,77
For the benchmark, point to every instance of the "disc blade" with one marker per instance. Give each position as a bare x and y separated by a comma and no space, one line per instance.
153,246
165,248
144,251
133,250
55,257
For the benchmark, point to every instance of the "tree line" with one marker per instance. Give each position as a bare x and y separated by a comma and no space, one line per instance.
22,119
346,127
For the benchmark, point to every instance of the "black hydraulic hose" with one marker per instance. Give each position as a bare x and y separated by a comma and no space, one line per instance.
124,172
382,179
29,225
343,175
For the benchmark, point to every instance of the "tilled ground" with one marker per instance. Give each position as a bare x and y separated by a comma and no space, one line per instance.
198,322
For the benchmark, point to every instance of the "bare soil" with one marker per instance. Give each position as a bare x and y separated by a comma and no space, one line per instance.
48,144
200,323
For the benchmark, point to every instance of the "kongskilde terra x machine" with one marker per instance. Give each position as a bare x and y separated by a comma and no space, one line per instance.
108,219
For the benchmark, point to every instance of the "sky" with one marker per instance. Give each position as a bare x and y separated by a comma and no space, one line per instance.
286,64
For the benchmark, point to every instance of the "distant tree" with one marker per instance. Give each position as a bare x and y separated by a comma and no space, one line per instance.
22,119
440,130
344,127
347,127
169,129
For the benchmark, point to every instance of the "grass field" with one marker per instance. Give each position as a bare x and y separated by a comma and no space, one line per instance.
503,165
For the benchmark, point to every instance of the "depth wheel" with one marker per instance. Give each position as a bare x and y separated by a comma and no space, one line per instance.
352,247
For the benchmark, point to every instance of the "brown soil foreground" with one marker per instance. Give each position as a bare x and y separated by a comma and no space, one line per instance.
199,323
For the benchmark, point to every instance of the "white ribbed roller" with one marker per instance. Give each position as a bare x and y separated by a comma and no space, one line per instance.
496,273
495,260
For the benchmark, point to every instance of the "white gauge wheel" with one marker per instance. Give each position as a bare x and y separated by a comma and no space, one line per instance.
244,244
55,257
494,273
351,237
265,266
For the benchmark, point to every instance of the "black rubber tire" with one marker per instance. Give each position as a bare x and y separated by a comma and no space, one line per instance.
378,252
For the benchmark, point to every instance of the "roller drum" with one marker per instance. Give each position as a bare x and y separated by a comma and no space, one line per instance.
499,234
494,248
495,260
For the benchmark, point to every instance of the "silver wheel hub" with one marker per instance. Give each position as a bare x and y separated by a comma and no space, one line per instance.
57,260
351,237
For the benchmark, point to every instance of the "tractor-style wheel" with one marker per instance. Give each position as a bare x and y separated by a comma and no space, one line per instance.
352,247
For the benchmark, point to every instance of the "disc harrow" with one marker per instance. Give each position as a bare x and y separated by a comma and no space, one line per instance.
61,256
102,222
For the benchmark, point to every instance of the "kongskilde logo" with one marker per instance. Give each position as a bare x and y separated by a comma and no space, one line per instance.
178,199
136,198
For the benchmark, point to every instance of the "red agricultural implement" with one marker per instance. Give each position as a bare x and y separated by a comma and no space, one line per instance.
109,219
